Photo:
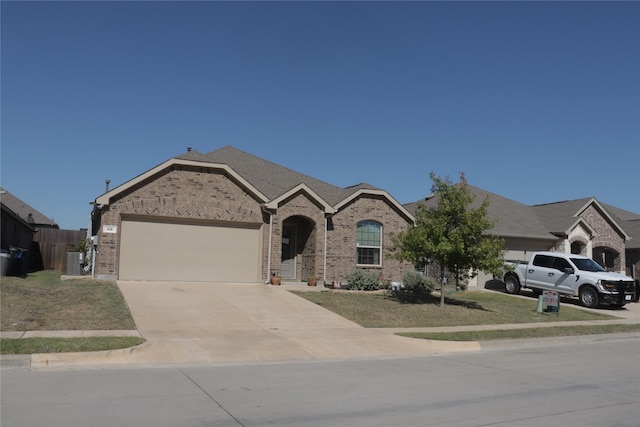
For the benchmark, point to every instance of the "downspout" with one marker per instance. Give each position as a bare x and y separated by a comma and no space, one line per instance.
324,253
93,261
269,253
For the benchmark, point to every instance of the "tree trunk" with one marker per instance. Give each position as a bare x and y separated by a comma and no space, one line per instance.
442,283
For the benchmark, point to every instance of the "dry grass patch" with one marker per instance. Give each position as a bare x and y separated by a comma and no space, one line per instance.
42,302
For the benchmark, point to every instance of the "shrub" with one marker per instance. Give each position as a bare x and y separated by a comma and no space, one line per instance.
416,283
362,280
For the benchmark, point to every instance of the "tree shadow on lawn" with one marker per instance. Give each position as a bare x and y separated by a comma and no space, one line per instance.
413,298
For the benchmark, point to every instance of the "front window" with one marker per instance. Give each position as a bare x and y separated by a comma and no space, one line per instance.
369,243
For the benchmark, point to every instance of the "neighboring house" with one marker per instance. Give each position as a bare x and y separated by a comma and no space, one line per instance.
20,223
229,216
26,212
17,236
609,235
586,227
45,246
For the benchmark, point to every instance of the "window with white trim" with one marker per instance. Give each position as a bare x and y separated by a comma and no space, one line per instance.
369,243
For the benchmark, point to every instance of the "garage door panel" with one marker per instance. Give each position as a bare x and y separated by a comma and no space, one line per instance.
189,252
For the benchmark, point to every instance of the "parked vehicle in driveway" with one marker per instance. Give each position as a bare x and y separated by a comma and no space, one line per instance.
573,275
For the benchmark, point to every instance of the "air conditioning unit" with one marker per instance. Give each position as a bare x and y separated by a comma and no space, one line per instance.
74,263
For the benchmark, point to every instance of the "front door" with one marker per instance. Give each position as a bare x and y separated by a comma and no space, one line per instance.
288,262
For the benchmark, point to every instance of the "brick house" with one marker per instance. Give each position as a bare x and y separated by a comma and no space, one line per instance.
229,216
609,235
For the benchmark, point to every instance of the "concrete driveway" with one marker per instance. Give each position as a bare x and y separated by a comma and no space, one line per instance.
240,323
211,323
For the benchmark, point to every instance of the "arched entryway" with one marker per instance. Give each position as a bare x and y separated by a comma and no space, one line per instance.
607,258
298,249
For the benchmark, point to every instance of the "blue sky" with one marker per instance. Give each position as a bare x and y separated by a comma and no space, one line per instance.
536,101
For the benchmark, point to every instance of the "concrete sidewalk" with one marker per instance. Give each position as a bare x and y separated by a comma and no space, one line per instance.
218,324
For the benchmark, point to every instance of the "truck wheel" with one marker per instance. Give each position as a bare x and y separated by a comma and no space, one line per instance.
511,284
589,297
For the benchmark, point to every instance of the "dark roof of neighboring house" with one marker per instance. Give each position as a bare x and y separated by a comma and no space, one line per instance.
560,216
512,219
271,178
29,214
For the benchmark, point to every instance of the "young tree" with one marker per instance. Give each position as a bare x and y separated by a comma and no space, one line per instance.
453,234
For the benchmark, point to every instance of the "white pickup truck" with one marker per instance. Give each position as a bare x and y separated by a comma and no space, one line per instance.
570,274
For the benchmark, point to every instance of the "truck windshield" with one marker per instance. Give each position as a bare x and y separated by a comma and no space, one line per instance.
586,264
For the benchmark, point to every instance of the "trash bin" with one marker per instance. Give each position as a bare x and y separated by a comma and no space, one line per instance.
5,263
18,265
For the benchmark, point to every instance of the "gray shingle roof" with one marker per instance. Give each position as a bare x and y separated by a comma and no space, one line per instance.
270,178
24,211
512,219
559,216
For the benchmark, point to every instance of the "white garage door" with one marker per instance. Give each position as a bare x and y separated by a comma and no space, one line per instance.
155,250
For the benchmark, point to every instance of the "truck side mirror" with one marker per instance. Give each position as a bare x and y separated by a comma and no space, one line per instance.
569,270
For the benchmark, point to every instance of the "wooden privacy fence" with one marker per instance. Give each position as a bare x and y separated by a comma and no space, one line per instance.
49,251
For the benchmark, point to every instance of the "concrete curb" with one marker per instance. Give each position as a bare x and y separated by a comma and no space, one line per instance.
555,341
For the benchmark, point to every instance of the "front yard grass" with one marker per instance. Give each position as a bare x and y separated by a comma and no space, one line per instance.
41,301
503,334
399,310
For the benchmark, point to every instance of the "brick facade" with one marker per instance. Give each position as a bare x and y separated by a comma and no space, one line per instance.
341,241
184,194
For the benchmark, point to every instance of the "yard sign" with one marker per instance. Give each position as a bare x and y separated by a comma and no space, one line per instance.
551,299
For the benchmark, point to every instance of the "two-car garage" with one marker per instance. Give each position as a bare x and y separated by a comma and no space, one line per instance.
189,250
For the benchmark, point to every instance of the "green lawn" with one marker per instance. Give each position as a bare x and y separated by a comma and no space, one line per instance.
65,345
399,310
502,334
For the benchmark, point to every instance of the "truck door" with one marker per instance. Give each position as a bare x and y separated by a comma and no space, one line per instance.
564,282
540,272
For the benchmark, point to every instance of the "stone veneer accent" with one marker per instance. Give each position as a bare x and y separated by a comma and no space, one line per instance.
605,237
